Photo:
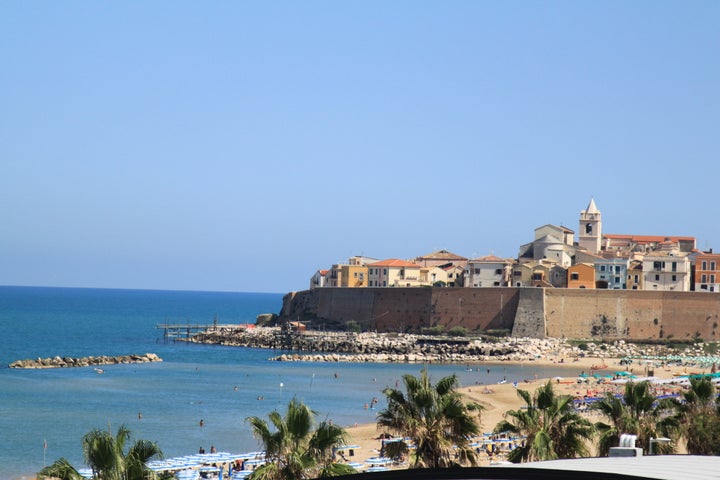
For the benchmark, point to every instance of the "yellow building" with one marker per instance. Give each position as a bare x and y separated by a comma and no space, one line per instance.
394,273
353,276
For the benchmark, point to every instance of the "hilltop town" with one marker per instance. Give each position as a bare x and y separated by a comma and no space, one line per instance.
554,259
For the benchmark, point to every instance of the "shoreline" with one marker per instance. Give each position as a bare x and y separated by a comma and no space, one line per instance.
499,398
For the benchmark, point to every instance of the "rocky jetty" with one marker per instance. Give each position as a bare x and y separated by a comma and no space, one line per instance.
317,346
383,347
65,362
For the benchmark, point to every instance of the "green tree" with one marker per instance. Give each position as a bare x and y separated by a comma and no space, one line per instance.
638,413
294,450
552,427
698,417
108,459
434,418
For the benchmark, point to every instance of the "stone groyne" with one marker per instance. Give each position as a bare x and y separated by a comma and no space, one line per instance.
65,362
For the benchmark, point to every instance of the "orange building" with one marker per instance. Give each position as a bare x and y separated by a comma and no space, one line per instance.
581,275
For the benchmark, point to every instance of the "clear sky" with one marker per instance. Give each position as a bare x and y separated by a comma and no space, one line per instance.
242,146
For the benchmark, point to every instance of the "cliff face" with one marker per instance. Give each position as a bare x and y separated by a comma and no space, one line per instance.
526,312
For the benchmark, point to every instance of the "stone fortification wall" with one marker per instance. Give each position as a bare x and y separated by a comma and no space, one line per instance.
530,316
475,308
527,312
405,309
631,314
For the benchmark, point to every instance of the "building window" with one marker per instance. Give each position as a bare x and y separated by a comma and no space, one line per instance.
703,278
602,268
517,273
637,278
712,265
496,284
498,271
657,266
617,268
674,266
674,278
712,278
704,265
657,279
574,276
617,279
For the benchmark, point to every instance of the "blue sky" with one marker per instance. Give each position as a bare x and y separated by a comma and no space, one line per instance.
242,146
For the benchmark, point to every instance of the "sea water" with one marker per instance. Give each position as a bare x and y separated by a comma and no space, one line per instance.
45,413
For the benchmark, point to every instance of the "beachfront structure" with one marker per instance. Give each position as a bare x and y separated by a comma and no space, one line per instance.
353,274
488,271
707,272
645,243
620,262
667,271
611,273
581,275
394,272
318,280
634,275
532,274
440,258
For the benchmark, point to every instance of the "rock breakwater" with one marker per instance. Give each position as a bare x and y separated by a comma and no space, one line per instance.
318,346
65,362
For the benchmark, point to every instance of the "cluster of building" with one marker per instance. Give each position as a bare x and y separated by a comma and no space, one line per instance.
553,259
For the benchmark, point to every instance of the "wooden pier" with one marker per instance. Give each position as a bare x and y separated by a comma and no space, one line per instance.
175,331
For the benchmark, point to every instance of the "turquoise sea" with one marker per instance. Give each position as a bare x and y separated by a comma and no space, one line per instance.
45,413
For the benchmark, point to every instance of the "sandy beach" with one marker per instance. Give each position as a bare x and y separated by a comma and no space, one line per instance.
499,398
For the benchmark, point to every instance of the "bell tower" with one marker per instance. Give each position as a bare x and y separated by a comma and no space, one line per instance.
590,230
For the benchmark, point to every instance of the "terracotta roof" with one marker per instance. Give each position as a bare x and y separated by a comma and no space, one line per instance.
647,238
442,255
489,259
393,262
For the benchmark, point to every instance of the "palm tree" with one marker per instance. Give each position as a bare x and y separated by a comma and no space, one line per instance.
552,427
105,455
435,420
60,469
698,416
294,450
638,413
